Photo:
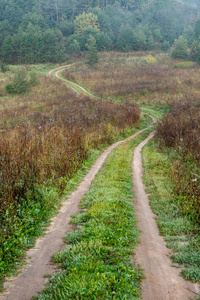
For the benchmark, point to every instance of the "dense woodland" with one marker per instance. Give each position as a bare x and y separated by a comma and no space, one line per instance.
37,31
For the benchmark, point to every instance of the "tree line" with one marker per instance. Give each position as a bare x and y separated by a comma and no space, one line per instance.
39,31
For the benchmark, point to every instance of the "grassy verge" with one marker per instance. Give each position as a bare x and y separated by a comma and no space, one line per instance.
180,233
97,264
31,218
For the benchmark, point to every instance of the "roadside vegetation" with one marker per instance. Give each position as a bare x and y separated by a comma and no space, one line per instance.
180,132
175,214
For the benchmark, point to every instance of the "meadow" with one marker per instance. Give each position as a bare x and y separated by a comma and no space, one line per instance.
153,79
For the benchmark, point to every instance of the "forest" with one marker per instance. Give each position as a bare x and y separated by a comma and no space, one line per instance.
39,31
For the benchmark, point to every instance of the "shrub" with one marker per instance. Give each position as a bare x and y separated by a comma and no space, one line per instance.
19,85
165,46
4,67
151,60
180,48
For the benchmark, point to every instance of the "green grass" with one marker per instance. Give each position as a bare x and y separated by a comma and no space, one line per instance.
97,265
185,64
180,233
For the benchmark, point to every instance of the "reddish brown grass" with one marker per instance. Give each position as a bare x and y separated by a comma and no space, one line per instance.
47,135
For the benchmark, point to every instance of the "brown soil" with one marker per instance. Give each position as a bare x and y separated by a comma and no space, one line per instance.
162,281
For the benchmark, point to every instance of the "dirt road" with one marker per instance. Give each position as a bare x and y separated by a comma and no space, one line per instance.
32,280
162,281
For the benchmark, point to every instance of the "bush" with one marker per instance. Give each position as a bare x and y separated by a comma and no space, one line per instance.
180,130
151,60
4,67
180,48
20,83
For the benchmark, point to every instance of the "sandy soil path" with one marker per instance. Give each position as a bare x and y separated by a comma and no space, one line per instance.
32,280
162,281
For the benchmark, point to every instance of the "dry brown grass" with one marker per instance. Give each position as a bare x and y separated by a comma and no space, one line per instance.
180,130
47,135
131,77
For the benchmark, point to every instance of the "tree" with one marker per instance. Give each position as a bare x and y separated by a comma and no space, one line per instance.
84,21
165,46
189,35
195,51
197,28
141,40
74,47
180,49
92,54
125,38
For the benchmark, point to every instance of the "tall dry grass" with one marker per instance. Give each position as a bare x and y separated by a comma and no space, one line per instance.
47,135
131,77
180,130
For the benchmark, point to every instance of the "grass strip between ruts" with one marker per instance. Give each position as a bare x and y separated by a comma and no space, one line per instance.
180,233
97,265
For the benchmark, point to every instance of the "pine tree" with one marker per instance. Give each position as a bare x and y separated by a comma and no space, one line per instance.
180,49
92,53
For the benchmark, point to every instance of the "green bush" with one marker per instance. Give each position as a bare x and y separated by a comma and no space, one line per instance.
20,83
180,49
4,67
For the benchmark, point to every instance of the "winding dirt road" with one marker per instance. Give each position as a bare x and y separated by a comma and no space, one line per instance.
162,281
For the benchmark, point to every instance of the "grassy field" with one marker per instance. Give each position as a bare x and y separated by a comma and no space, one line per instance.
135,77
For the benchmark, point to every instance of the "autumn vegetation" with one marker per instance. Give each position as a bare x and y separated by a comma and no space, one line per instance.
45,137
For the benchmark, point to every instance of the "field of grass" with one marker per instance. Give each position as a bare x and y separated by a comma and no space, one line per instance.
132,76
